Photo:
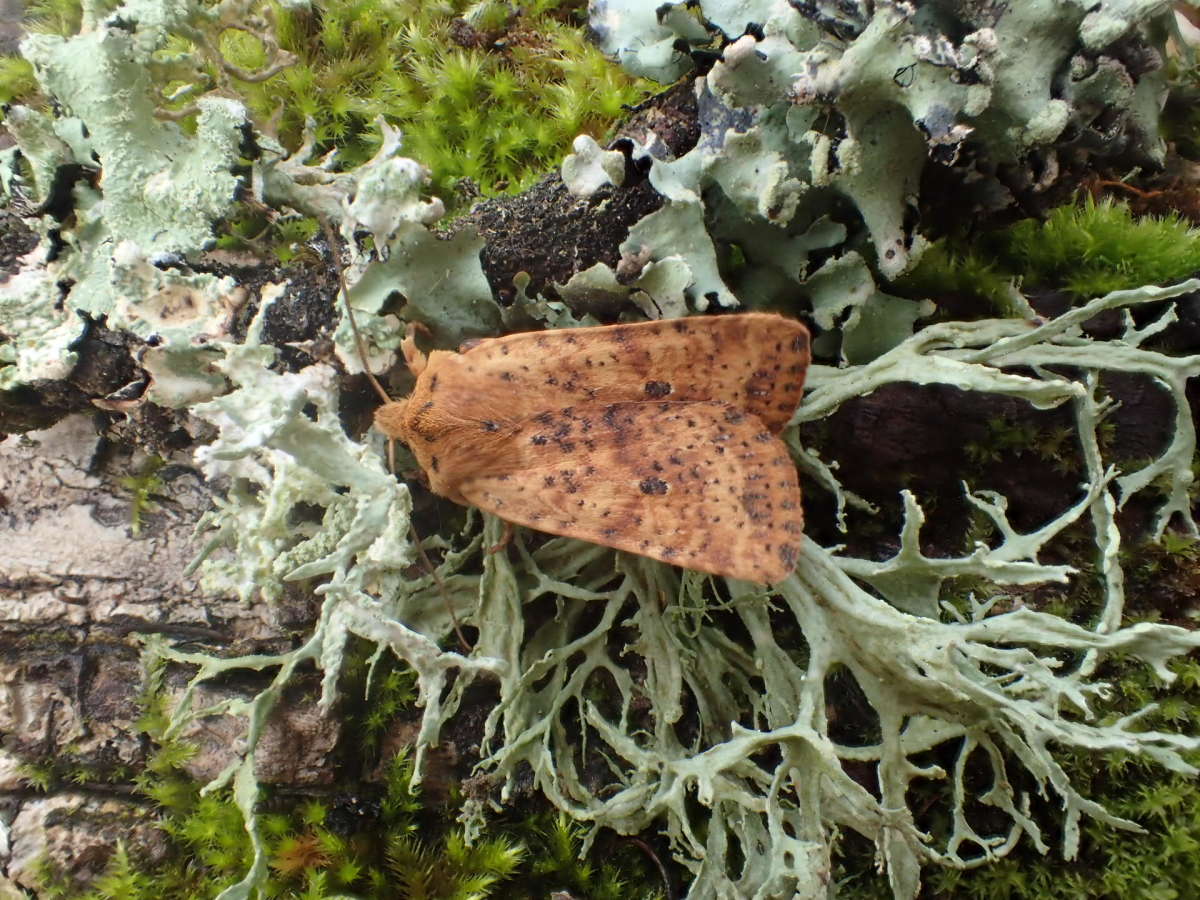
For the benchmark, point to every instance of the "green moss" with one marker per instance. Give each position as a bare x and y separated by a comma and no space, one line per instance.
1181,114
119,880
16,79
1095,248
388,689
1085,250
395,846
66,770
62,16
945,269
1004,438
144,486
383,841
482,91
453,870
554,864
485,91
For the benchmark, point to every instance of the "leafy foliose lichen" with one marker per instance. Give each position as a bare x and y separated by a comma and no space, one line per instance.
808,107
123,192
128,198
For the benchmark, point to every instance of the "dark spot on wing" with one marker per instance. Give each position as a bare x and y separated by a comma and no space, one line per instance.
760,384
755,505
653,486
656,390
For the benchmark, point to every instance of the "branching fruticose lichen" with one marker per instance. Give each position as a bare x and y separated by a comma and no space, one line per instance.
627,695
742,727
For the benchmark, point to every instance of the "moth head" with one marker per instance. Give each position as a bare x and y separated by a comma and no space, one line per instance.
389,418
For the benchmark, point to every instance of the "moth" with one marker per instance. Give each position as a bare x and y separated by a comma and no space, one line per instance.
659,438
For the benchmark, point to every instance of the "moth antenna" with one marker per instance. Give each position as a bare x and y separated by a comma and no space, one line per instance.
654,857
335,246
416,539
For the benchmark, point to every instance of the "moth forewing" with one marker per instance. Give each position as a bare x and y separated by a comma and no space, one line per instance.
698,484
753,361
656,437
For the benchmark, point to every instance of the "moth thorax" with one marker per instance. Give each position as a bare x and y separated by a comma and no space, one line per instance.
389,418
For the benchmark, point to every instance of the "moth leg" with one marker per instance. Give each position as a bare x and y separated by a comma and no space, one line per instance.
413,357
505,538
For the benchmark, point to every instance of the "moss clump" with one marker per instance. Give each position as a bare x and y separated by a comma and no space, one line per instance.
484,91
487,91
1181,115
1084,250
948,270
390,846
145,487
384,841
16,79
1099,247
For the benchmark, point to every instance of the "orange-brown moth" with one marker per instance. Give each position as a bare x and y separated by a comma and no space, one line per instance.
659,438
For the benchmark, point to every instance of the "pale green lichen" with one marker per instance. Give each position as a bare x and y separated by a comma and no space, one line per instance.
161,191
160,169
590,167
990,689
987,688
817,103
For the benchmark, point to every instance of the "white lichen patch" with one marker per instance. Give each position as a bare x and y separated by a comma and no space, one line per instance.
590,167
